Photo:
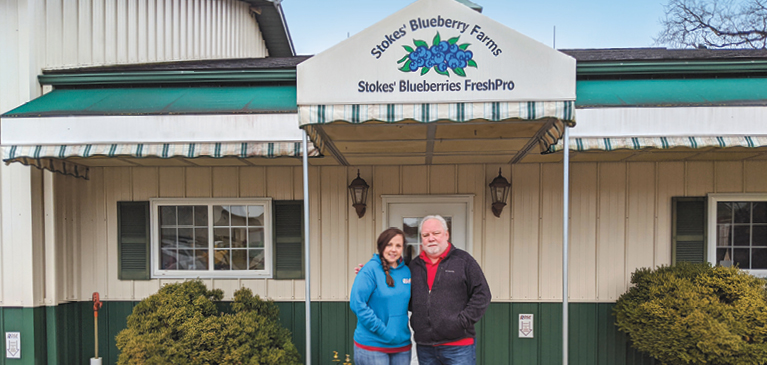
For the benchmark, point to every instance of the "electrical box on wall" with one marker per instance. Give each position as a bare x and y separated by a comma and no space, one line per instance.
526,326
13,345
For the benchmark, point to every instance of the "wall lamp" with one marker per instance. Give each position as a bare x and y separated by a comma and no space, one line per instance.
499,192
358,189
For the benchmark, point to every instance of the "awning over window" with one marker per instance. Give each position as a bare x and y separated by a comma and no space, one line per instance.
638,143
55,158
160,101
70,130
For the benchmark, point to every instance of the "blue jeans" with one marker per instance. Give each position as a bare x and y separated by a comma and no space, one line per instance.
365,357
447,355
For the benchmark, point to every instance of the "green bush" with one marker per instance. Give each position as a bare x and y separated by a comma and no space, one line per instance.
181,325
696,314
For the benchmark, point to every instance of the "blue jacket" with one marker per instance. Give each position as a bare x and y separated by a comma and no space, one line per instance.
381,310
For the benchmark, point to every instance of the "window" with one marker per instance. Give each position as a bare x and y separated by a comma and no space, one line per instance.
737,231
211,238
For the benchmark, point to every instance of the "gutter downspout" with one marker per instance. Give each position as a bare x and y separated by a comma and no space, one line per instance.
307,275
565,243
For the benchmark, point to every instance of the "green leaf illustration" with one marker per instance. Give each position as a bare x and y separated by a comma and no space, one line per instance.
453,40
424,70
436,69
459,71
464,46
405,67
420,43
403,58
436,40
471,63
408,48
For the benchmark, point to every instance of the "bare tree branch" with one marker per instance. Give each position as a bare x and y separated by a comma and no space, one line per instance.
714,24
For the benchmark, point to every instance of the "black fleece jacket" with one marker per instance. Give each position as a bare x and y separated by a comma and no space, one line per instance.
458,299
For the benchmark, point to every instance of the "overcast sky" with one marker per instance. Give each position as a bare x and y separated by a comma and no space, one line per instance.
316,25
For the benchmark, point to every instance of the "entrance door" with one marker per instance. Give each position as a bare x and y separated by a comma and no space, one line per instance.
406,212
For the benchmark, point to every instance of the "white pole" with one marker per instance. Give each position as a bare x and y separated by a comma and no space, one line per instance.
565,231
307,275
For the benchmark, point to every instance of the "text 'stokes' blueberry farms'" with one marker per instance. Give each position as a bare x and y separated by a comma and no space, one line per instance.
441,56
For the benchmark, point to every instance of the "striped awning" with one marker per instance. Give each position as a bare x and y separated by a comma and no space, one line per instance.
638,143
54,158
561,111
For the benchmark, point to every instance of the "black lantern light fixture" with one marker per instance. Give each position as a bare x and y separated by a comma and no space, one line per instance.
358,189
499,192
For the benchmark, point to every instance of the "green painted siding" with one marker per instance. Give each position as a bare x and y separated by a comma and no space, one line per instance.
670,92
594,339
64,334
69,331
30,322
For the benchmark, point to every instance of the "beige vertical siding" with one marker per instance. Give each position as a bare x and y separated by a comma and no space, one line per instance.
100,32
620,220
583,232
77,33
526,209
671,181
611,230
755,174
640,216
48,34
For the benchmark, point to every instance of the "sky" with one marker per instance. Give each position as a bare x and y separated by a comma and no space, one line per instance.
316,25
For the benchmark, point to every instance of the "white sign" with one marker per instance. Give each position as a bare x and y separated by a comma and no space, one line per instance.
525,326
13,345
436,51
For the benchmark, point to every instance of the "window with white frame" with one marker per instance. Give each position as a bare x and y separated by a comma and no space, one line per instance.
211,238
737,231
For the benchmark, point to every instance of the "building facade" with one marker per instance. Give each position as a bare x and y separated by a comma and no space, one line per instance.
169,150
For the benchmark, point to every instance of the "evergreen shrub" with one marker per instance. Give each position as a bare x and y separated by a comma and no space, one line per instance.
696,314
182,325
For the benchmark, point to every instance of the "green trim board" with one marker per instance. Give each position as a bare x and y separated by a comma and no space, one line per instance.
161,101
671,92
168,77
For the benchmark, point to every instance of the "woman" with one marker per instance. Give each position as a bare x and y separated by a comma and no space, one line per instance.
379,298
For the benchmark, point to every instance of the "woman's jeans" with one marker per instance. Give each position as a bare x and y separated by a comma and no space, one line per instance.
365,357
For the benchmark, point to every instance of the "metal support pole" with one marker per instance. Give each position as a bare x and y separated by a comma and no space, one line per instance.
307,275
565,231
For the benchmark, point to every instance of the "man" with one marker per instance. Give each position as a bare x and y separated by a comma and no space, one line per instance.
449,294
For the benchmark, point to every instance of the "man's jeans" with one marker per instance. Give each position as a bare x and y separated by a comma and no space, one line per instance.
447,355
366,357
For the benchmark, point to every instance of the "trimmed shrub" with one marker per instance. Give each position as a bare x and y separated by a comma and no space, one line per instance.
696,314
181,325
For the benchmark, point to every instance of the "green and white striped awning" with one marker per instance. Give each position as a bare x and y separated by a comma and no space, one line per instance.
562,111
638,143
54,158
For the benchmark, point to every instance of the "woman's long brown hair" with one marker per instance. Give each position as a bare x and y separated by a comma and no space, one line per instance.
383,240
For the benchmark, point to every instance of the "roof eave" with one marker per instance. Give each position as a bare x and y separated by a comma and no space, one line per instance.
666,68
274,27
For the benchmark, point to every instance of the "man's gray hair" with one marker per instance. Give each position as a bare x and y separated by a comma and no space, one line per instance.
435,217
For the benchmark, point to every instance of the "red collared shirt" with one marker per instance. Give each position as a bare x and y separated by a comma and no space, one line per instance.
431,273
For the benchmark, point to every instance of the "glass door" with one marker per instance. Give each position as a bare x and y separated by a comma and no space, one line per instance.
406,213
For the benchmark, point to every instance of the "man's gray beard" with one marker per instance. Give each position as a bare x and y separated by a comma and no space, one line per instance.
431,250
